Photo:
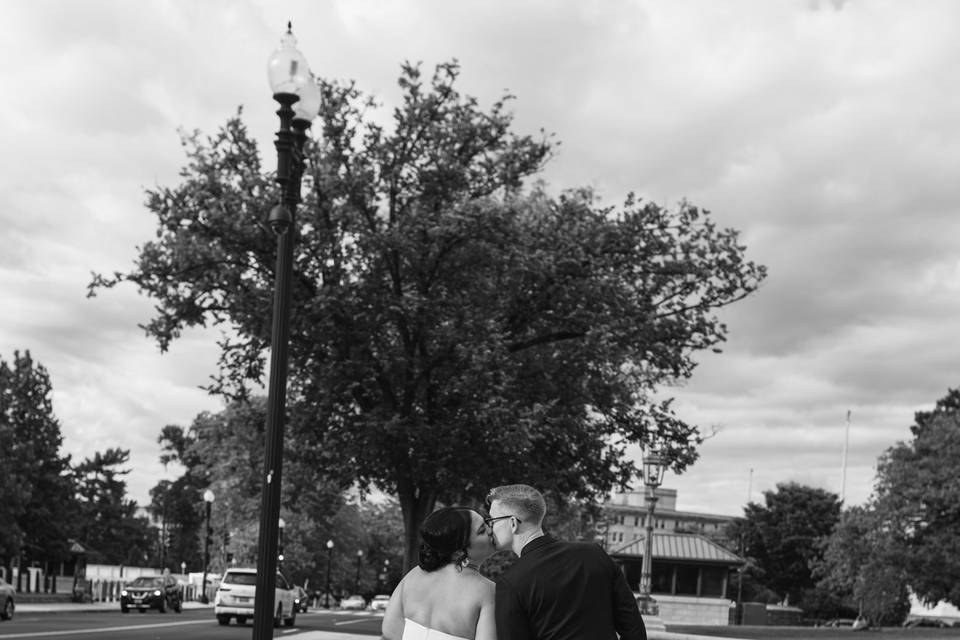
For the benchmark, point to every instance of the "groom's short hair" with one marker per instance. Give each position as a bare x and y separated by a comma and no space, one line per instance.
526,502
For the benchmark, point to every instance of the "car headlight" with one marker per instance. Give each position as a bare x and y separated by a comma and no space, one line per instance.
123,592
157,592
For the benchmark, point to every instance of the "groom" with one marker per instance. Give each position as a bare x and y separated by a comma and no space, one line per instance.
555,590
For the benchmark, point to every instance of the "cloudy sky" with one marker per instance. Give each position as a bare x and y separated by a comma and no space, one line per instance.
827,132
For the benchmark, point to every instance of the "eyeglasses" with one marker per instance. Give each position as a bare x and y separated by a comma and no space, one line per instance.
489,521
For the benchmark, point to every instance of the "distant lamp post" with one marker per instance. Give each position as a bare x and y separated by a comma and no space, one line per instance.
281,525
356,585
295,89
207,539
329,561
654,466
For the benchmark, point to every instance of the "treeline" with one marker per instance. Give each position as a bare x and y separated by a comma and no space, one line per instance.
46,499
49,501
804,548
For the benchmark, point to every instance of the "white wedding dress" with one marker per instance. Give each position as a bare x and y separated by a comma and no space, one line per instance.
416,631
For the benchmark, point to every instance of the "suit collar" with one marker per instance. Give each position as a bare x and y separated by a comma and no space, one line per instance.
536,543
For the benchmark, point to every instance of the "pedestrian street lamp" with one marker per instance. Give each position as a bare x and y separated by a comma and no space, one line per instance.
207,539
329,560
281,525
356,585
654,466
296,91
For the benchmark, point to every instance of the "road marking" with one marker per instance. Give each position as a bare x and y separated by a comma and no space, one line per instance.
338,623
47,634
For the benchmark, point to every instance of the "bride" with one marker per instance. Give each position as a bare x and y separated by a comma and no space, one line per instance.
445,597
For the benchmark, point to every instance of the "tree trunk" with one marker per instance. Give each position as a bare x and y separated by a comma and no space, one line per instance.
415,506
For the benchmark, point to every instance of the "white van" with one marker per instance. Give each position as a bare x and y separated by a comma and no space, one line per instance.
235,598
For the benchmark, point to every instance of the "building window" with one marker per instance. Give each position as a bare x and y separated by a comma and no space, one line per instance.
713,581
661,578
687,580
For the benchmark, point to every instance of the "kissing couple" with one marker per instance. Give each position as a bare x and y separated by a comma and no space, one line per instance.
556,590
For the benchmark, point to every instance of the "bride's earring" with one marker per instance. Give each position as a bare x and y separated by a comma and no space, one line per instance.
465,562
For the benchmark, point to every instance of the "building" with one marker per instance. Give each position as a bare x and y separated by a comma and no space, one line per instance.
690,573
626,517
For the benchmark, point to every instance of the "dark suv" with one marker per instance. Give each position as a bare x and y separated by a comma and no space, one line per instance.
151,592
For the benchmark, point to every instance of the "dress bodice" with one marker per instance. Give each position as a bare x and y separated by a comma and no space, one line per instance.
416,631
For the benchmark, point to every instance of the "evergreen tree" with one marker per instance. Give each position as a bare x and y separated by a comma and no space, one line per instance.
36,487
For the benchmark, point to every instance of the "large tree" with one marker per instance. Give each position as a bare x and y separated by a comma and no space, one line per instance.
452,330
36,490
917,500
784,536
863,567
108,521
223,452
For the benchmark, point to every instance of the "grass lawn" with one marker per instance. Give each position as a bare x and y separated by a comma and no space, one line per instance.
817,633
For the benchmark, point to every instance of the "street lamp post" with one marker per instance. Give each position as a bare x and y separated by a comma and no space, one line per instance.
282,525
654,465
356,585
329,560
208,499
295,89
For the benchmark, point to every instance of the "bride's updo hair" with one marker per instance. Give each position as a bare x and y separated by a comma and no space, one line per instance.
444,537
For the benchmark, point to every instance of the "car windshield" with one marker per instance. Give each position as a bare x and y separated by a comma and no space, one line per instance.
240,578
146,582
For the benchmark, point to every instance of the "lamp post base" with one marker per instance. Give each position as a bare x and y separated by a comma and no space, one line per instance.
650,611
648,606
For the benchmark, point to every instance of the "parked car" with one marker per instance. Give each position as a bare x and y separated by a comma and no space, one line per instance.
235,598
839,622
152,592
926,622
353,602
379,603
301,599
6,600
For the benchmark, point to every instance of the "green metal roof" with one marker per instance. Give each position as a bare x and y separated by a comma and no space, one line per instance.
677,546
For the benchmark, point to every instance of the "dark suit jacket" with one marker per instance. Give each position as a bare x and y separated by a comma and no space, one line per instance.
565,591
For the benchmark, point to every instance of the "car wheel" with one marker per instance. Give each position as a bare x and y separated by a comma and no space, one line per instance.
7,612
162,607
241,619
124,609
225,620
292,620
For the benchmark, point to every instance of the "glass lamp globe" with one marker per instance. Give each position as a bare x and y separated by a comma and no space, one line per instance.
308,106
287,69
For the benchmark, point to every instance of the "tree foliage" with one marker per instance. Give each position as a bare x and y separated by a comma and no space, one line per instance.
223,452
863,567
108,522
783,537
36,510
452,331
917,502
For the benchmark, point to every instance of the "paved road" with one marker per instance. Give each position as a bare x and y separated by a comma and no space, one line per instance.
192,624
